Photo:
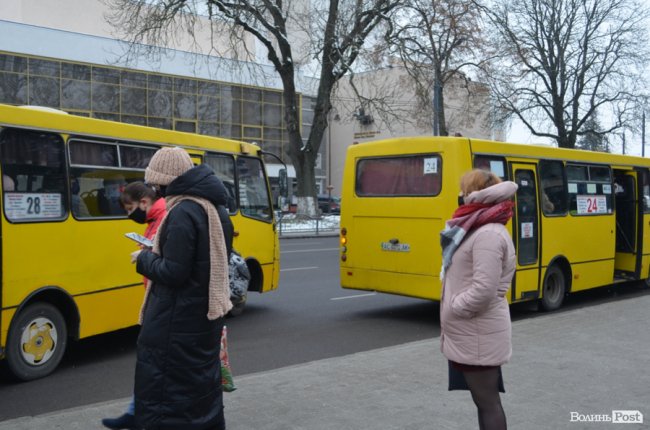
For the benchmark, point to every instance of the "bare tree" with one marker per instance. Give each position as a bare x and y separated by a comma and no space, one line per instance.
338,30
435,40
557,62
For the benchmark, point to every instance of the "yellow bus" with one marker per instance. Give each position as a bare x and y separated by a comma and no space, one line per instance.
579,221
65,268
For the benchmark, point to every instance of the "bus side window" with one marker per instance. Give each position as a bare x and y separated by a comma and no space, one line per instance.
552,189
34,162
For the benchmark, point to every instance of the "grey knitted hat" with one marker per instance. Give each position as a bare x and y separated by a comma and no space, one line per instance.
166,165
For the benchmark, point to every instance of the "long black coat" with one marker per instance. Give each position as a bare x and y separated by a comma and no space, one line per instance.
177,378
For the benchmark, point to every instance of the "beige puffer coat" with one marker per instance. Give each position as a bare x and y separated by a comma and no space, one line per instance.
474,313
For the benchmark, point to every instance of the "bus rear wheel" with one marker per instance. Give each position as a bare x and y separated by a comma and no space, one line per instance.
36,342
553,290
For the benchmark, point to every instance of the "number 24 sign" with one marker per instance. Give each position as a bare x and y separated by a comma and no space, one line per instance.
591,204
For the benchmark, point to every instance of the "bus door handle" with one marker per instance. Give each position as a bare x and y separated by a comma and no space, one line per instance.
394,241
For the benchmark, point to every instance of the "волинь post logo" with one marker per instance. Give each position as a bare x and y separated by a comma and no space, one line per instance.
616,417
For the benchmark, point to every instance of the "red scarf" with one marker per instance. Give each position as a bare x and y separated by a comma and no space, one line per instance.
477,214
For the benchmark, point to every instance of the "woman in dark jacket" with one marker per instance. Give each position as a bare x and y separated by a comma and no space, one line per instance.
177,380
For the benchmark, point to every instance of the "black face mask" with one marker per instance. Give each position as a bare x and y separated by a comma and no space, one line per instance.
138,215
461,200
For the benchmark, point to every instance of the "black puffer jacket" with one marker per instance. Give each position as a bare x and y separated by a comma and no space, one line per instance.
177,378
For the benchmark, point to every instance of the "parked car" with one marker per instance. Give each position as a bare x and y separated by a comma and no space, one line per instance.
329,204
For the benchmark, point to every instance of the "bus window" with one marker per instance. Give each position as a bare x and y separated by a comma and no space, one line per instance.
100,171
644,181
418,175
224,168
553,195
253,194
496,165
589,189
34,162
526,217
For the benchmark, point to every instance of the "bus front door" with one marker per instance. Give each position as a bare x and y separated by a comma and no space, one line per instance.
628,252
525,233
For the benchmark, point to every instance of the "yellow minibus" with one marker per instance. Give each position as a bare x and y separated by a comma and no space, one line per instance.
65,270
581,218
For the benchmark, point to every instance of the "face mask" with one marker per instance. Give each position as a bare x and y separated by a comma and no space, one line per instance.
138,215
461,200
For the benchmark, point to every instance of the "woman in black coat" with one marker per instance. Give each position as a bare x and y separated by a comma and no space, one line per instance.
178,381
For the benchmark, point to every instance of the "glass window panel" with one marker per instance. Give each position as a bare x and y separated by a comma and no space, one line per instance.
235,132
252,94
185,85
160,82
12,63
93,154
272,133
160,103
84,114
307,116
107,116
134,119
75,94
273,97
419,175
208,108
44,92
252,113
133,79
184,106
599,174
496,165
75,71
236,92
576,173
106,75
554,196
35,163
13,88
209,128
272,115
252,132
187,126
165,123
306,129
136,156
526,216
44,67
209,88
134,101
253,193
99,190
224,169
105,97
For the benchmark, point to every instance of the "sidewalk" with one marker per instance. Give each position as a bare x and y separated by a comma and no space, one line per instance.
587,361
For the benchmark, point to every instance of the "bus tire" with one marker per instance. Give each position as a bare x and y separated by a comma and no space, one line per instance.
553,290
36,342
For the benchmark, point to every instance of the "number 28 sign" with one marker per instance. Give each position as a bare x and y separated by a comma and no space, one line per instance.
591,204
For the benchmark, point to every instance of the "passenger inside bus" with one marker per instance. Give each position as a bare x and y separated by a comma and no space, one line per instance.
8,183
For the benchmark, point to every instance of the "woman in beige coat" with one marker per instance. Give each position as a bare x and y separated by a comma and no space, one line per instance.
478,266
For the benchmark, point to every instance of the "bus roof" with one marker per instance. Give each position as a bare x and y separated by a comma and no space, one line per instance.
428,144
49,120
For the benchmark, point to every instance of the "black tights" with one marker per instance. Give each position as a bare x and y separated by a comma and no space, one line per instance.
484,386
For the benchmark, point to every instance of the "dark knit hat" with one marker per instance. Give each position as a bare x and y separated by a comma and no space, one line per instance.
166,165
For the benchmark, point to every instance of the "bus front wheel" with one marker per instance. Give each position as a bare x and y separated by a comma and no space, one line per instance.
553,290
36,342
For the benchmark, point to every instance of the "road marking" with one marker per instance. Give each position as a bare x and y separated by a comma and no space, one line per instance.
310,250
298,268
353,297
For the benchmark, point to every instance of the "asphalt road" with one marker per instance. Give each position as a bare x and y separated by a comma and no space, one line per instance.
308,318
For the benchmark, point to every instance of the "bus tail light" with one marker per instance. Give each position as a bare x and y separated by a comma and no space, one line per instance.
344,244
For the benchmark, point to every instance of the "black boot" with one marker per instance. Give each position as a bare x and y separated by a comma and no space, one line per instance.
125,421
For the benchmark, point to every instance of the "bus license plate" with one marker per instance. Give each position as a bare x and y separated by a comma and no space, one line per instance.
397,247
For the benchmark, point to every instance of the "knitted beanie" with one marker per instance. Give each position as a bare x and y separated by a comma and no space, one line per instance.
166,165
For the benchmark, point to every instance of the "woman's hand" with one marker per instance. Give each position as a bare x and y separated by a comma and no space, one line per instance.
134,256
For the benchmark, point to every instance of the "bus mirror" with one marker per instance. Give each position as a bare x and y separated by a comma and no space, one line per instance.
283,182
